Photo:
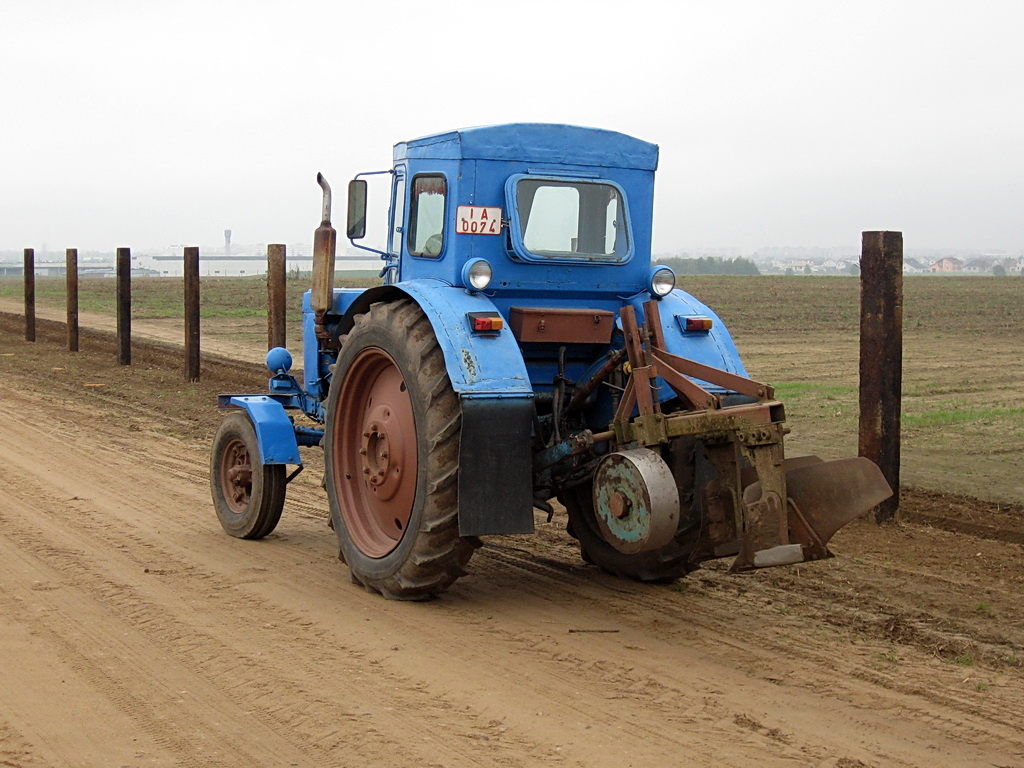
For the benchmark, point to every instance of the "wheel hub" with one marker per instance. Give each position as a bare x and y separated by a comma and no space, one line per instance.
236,476
375,451
636,501
381,463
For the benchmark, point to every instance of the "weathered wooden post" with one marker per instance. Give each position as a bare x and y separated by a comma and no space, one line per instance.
276,296
30,294
124,306
192,313
72,298
881,358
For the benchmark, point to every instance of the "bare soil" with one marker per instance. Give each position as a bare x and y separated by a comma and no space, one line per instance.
134,632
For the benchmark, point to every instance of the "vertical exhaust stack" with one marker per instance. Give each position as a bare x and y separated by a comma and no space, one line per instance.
324,244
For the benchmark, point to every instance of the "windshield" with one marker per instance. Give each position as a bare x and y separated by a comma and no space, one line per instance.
572,219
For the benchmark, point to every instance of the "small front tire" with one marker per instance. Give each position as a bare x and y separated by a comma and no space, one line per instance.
247,495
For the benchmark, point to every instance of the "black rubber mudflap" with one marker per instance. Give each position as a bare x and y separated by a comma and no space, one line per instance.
496,466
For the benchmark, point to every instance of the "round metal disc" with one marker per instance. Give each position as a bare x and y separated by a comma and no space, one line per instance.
236,476
376,454
636,500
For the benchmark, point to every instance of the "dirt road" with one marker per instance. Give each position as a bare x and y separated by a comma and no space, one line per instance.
135,633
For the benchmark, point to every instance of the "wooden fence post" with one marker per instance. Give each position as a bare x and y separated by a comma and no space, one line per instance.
30,294
276,296
192,313
881,358
72,298
124,306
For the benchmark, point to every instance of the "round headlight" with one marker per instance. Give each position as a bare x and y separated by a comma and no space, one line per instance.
476,275
279,360
663,280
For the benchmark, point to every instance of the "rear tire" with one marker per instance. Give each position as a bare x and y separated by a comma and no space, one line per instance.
392,456
247,495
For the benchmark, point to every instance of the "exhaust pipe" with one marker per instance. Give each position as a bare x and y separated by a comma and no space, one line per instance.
324,245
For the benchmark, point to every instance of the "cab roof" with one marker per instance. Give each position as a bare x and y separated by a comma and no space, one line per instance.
535,143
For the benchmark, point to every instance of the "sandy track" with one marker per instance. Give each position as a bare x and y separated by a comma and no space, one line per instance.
134,632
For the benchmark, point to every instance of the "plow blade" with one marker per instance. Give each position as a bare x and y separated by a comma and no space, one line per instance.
822,497
834,493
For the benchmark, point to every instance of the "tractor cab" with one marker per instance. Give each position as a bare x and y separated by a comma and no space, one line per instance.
544,206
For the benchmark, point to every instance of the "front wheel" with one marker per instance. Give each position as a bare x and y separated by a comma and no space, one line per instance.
247,495
392,456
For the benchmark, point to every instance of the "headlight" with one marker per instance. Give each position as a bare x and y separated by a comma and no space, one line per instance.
663,280
279,360
476,275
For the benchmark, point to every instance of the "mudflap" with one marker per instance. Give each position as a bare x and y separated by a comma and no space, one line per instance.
495,466
821,498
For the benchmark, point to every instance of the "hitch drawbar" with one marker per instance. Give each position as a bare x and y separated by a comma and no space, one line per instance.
761,507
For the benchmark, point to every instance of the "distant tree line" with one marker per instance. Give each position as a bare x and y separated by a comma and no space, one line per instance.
710,265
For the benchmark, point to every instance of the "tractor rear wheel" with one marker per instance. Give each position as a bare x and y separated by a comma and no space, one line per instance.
392,456
247,495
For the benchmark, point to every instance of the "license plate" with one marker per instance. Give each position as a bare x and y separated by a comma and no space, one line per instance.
478,220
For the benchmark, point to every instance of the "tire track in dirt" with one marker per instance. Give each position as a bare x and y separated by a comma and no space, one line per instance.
158,654
144,609
138,545
650,686
980,530
130,675
994,721
726,670
597,680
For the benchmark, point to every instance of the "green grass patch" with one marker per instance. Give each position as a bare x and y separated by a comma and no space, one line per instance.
164,297
794,390
754,306
944,417
934,306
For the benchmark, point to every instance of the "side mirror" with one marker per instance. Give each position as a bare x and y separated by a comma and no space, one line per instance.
356,227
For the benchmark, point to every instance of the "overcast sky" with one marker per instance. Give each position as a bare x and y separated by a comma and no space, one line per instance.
780,123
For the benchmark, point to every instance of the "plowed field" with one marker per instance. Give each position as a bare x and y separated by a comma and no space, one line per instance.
134,632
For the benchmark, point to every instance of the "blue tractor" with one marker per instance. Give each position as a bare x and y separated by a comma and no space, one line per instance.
523,349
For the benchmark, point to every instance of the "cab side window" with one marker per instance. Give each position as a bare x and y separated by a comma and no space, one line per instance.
398,214
427,215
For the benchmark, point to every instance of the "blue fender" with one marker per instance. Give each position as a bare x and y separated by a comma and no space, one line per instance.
488,373
715,347
275,432
487,365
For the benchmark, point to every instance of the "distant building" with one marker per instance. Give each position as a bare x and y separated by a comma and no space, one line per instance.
222,265
947,264
980,266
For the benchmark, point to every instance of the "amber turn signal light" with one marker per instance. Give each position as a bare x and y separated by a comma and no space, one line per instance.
698,323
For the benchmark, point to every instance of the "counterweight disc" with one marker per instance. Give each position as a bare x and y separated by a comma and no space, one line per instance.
636,500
